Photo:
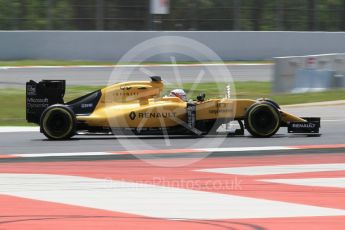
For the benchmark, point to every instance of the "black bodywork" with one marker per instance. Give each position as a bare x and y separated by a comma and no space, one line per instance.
43,94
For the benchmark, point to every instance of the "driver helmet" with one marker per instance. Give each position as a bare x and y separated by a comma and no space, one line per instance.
180,93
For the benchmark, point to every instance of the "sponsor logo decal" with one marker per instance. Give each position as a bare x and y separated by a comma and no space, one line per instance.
37,102
83,106
126,94
304,125
157,115
132,115
31,90
221,108
217,111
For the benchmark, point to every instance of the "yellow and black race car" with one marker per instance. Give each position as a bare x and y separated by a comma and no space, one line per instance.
136,107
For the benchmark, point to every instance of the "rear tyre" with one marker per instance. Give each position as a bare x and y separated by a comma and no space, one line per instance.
58,122
262,119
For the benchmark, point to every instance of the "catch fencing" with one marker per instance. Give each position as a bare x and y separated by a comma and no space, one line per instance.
309,73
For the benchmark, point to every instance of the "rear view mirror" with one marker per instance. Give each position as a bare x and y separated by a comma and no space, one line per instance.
201,97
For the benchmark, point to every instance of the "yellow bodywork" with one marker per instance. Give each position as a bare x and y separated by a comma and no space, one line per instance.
138,104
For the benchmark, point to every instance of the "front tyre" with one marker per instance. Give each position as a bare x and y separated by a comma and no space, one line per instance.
58,122
270,101
262,120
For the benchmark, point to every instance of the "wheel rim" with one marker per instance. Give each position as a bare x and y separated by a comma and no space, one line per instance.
57,123
263,120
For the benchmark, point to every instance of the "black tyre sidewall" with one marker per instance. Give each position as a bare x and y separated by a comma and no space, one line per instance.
70,117
275,104
249,122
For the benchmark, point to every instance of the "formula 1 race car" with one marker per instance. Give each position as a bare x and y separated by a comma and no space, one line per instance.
136,107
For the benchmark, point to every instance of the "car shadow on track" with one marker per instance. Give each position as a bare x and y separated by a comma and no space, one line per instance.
175,137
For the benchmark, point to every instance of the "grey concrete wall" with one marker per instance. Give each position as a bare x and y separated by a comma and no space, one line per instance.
111,45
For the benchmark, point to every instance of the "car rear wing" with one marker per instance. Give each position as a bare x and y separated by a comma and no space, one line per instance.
41,95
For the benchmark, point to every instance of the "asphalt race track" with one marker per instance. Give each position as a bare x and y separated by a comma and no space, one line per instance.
17,77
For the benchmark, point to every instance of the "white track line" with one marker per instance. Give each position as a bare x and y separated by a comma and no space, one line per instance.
277,169
333,120
191,151
158,151
133,66
321,182
29,155
14,129
150,200
244,149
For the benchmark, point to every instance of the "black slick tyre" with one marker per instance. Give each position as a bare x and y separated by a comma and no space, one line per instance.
262,119
270,101
58,122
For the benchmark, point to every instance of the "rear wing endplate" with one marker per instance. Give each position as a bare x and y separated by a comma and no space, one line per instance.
41,95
